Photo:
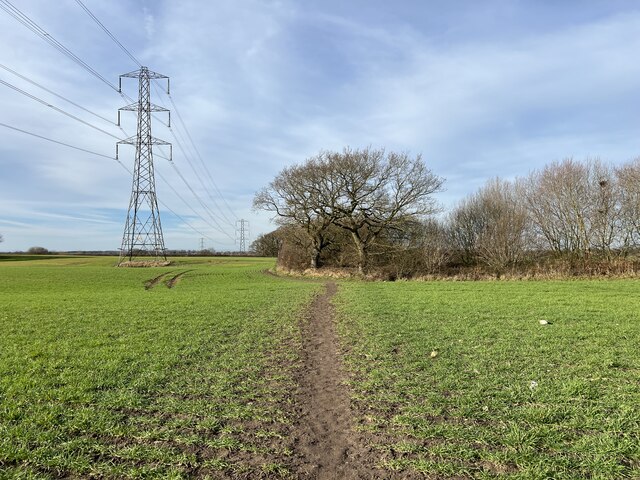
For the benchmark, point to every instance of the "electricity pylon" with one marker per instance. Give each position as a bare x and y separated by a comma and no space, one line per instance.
143,230
242,232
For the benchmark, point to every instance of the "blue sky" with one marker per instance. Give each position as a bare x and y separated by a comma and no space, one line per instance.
480,89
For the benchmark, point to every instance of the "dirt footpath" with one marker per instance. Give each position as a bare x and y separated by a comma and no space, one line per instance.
326,444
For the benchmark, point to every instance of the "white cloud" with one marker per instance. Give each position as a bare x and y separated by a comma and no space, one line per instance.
262,85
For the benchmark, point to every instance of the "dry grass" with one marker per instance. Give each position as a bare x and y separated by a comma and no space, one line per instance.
145,264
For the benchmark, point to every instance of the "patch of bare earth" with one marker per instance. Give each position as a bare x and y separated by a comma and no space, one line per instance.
325,442
152,282
172,282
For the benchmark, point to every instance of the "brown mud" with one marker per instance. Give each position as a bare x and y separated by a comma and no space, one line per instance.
325,441
152,282
173,281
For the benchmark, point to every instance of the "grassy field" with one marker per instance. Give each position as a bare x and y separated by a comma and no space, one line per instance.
460,379
107,372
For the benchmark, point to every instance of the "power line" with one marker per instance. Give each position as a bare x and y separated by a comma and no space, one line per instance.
106,30
26,79
115,40
184,126
8,7
203,204
179,141
22,18
187,203
57,109
211,213
242,232
143,227
200,200
128,171
55,141
164,205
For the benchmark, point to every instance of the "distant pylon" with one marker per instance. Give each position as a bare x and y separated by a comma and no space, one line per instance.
143,230
242,232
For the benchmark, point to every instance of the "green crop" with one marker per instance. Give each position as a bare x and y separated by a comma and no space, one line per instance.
463,380
190,371
106,372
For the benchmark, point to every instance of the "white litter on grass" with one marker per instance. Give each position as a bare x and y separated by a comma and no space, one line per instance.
543,322
533,385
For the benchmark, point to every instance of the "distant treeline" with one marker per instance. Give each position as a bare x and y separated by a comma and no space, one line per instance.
115,253
373,212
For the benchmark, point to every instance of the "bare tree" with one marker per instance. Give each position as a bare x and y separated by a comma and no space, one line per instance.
607,219
578,207
561,204
490,226
296,196
364,192
628,179
503,240
465,224
267,244
378,191
435,251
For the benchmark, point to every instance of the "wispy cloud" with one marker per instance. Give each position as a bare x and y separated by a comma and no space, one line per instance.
487,89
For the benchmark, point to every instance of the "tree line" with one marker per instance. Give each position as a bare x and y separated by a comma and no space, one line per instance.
375,212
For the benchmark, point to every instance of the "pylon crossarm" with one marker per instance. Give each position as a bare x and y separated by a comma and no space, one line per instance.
143,72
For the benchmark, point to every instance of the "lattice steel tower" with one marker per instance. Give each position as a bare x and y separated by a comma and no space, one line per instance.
242,232
143,230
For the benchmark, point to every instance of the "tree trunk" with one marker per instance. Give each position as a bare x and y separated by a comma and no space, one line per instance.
315,259
362,254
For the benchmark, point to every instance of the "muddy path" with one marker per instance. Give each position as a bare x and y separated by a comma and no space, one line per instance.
326,444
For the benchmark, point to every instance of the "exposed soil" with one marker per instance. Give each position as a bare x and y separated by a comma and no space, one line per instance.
175,279
154,281
326,445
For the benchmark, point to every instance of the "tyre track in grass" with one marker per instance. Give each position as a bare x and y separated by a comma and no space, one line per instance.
163,278
175,279
152,282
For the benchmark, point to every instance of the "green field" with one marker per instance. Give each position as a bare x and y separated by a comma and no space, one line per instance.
503,396
108,373
102,377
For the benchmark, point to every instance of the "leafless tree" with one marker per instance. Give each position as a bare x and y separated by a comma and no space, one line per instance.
628,179
435,250
561,204
504,240
364,192
297,197
465,224
491,226
607,233
577,207
267,244
378,191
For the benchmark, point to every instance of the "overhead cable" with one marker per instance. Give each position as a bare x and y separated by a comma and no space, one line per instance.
12,10
57,109
54,141
106,30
